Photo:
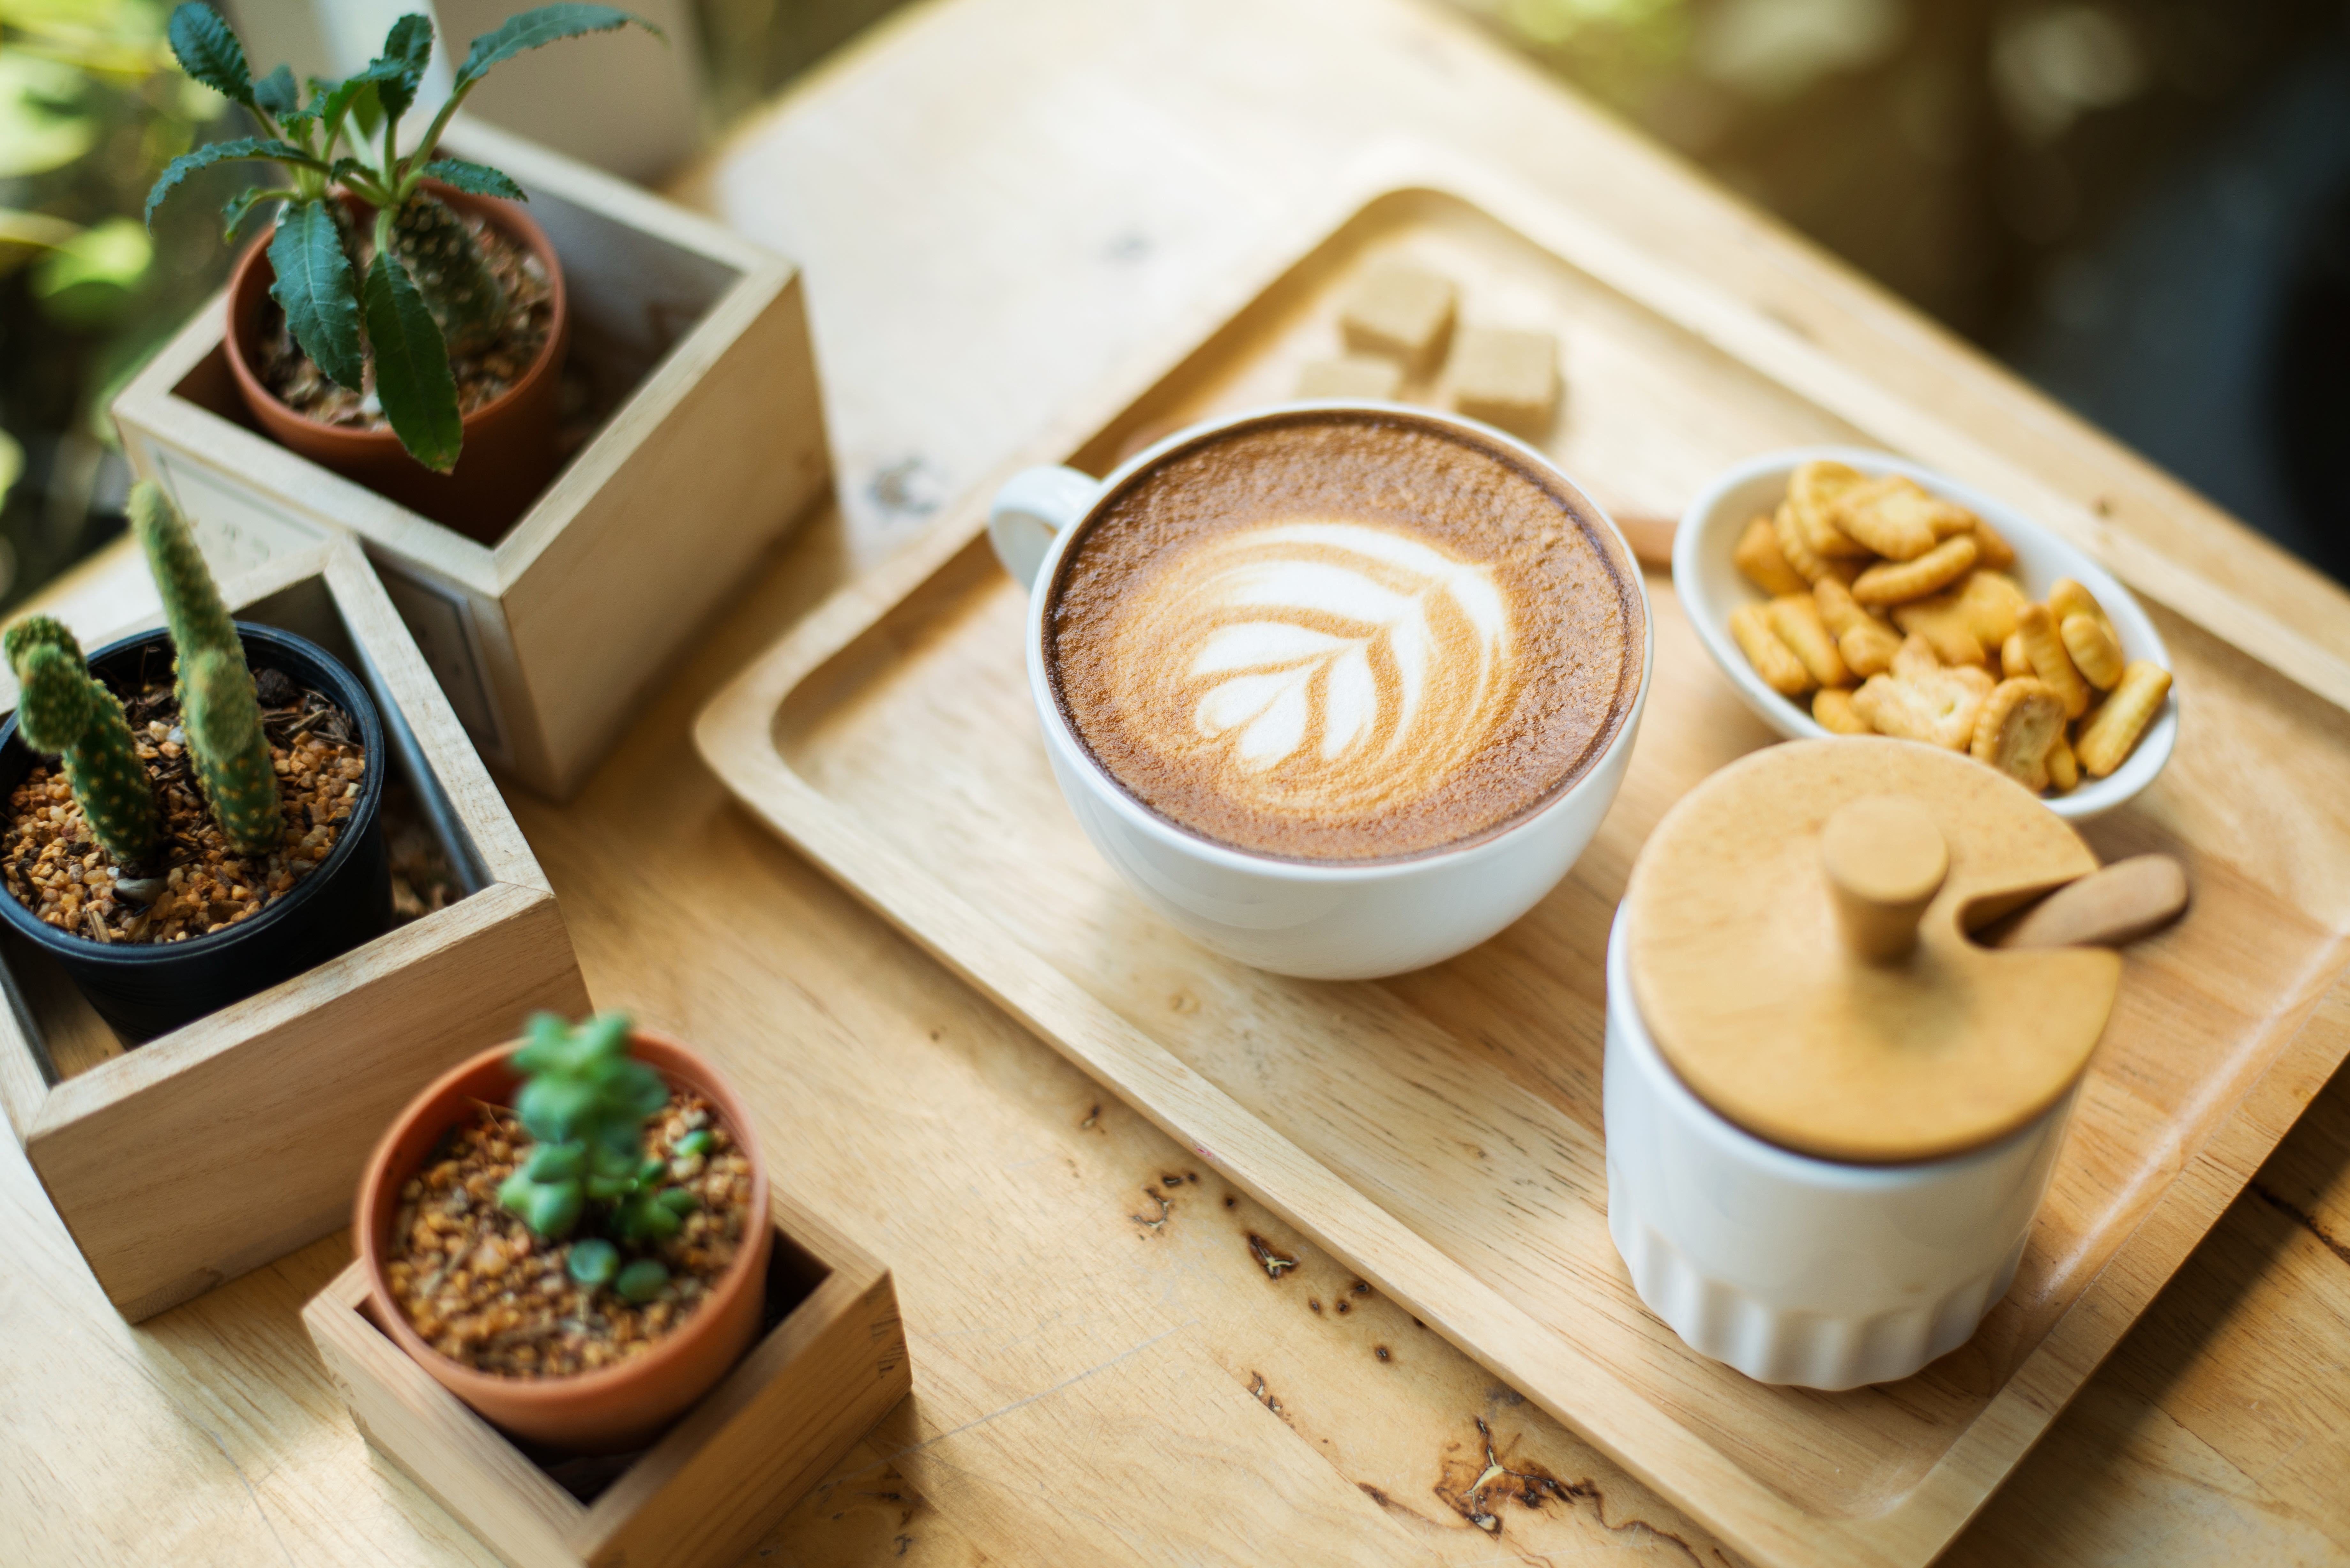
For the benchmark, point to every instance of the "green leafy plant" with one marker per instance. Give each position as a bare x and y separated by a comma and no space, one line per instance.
584,1102
404,296
68,713
219,709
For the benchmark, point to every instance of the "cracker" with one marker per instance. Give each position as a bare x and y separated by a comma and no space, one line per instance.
1950,518
1401,311
2067,598
1898,582
2019,721
1813,491
2106,741
1796,618
1892,515
1774,661
1867,646
2050,661
1833,710
1993,552
1990,601
1839,608
1759,557
1939,707
2064,767
1809,564
2013,660
1941,623
1356,376
2094,652
1915,656
1506,377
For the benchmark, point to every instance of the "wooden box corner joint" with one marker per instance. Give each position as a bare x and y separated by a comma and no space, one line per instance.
708,447
830,1363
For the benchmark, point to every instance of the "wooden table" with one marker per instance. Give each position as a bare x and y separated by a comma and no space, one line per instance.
995,200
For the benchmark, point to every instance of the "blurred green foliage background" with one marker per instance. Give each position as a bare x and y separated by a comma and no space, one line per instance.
2142,204
92,108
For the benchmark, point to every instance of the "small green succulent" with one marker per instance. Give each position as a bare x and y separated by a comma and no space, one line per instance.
584,1102
427,289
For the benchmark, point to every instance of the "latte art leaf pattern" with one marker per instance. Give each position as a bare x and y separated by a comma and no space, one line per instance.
1325,665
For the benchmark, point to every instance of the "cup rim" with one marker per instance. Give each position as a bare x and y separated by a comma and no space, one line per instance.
1160,830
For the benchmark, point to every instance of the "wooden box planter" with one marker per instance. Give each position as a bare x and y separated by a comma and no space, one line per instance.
695,344
831,1363
228,1142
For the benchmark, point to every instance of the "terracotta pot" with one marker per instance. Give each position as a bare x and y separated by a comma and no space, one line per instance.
616,1408
509,452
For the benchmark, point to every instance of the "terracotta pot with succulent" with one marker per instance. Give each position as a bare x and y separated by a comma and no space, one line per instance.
403,323
202,833
572,1237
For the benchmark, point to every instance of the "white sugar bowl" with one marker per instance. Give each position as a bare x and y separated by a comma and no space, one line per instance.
1831,1116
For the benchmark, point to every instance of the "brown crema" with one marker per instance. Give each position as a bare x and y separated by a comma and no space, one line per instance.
1344,636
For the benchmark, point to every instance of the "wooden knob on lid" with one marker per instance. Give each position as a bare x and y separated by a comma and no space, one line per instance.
1797,947
1885,861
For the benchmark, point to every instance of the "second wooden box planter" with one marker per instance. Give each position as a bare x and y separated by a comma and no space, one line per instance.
691,350
829,1364
230,1141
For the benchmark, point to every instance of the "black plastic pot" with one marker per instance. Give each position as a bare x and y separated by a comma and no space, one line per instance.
146,990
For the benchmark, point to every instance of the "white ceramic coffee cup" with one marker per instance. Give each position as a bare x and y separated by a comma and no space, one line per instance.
1316,921
1798,1270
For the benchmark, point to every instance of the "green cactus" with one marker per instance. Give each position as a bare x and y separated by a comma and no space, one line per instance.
68,714
218,708
463,294
585,1101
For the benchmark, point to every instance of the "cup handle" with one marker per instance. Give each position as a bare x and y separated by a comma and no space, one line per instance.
1030,512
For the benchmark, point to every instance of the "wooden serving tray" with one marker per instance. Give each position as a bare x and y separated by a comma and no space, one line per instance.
1441,1131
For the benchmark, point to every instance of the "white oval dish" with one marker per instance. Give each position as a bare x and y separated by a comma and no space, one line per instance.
1711,585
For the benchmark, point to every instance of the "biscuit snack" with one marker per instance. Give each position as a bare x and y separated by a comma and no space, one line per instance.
1913,629
1758,556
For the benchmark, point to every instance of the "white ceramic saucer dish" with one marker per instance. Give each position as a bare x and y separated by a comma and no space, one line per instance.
1711,585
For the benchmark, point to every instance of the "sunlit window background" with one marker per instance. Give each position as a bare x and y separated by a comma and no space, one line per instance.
2142,205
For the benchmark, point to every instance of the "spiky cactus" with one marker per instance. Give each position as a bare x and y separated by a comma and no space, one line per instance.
218,708
460,291
68,714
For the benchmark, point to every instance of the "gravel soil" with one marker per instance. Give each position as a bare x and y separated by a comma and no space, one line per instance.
194,883
481,1289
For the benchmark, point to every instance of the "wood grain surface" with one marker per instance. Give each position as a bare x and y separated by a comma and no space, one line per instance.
1440,1130
715,1483
994,202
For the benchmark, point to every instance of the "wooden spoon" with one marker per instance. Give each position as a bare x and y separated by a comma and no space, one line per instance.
1651,537
2126,900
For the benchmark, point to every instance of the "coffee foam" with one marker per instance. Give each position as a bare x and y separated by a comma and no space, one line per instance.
1343,635
1319,666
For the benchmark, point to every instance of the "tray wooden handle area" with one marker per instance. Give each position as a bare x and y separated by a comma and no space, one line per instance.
1442,1132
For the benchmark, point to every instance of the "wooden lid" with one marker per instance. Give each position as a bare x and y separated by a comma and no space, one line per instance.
1798,950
